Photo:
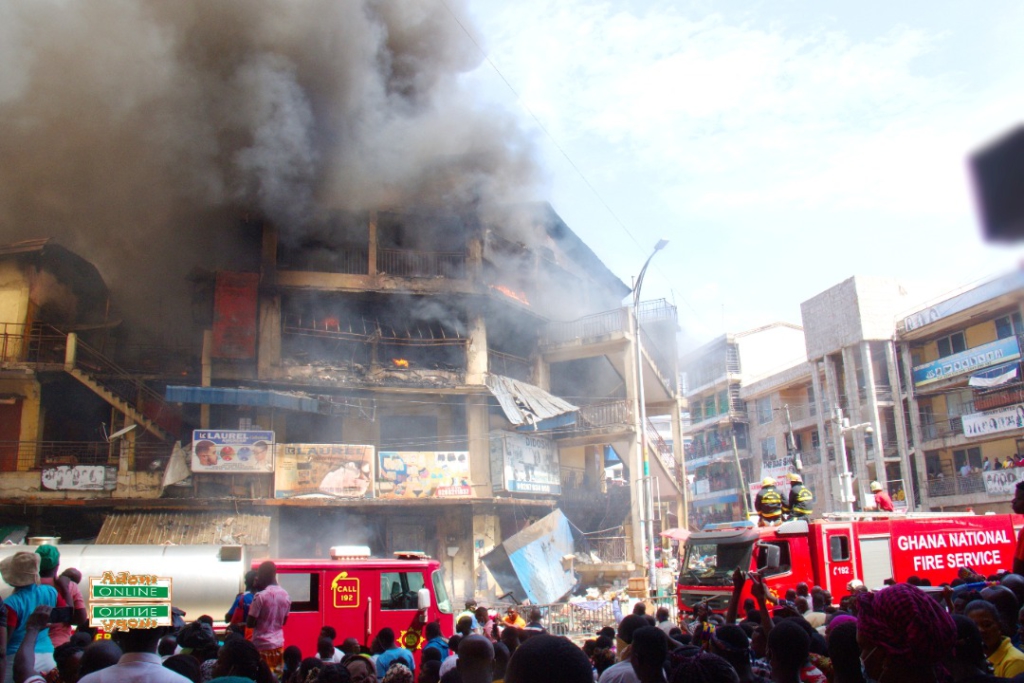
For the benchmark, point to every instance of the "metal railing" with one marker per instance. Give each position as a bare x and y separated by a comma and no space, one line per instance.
956,485
607,414
37,345
660,361
31,455
499,363
658,444
607,548
409,263
587,328
128,388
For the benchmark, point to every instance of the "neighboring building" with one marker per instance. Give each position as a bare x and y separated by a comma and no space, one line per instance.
966,394
714,375
849,330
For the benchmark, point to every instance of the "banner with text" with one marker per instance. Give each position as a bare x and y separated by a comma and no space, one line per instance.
79,478
521,463
1002,482
936,548
994,421
326,469
423,474
984,356
232,451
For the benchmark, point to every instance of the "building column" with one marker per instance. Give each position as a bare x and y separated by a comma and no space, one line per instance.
478,436
635,457
915,427
860,468
206,379
872,410
541,373
371,245
679,453
269,354
819,404
837,433
486,536
476,351
909,485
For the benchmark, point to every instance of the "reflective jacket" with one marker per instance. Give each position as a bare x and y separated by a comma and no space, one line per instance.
768,503
801,501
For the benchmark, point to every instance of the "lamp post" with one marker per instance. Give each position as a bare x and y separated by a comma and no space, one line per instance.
843,427
642,510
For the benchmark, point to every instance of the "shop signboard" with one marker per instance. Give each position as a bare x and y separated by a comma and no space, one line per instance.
994,421
423,474
1002,482
325,469
523,463
986,355
79,478
232,451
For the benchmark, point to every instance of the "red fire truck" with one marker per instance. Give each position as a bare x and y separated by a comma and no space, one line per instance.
833,551
359,595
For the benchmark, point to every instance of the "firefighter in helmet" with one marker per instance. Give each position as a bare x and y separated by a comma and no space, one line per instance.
768,503
801,500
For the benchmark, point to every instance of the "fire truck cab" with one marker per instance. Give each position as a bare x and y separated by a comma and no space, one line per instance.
830,552
359,595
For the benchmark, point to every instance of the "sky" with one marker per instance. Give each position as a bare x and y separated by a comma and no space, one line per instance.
780,147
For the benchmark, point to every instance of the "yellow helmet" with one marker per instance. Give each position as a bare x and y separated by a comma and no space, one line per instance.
768,481
794,477
875,486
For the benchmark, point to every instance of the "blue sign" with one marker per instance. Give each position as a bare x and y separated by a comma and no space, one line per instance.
970,360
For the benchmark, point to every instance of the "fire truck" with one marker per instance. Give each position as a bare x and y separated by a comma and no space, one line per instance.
359,595
839,548
356,594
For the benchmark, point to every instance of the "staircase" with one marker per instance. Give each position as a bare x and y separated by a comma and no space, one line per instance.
658,450
122,390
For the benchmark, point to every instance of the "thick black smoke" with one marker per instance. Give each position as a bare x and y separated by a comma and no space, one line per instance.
141,133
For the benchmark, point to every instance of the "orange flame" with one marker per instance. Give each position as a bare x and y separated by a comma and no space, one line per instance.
512,294
400,362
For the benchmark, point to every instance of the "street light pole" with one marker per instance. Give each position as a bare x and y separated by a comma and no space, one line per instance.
845,476
645,523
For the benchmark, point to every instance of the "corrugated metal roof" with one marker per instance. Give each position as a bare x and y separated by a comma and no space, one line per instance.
525,404
184,528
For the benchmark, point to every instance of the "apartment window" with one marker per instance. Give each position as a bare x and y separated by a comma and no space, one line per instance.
959,403
815,439
811,403
696,411
1009,325
971,456
723,402
954,343
798,442
709,407
764,410
768,448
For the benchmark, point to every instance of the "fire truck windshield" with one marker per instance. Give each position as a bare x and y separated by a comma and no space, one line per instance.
712,564
444,605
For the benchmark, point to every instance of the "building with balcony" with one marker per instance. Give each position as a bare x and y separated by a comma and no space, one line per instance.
849,334
473,391
718,434
962,356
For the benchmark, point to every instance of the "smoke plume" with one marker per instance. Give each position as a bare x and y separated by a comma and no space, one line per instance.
140,133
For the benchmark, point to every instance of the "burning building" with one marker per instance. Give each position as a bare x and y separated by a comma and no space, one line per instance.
328,277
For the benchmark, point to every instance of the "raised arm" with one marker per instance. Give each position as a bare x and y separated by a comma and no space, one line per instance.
739,578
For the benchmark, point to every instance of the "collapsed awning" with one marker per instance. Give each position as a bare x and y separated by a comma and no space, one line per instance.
259,398
525,404
994,377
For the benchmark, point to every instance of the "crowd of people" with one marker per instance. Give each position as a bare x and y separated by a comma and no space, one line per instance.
966,631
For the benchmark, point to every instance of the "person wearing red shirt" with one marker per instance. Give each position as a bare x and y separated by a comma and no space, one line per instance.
882,500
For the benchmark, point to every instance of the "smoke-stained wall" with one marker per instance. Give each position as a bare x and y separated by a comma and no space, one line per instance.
142,134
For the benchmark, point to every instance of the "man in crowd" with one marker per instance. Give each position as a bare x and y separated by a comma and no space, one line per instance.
69,596
21,571
392,653
267,616
140,663
476,660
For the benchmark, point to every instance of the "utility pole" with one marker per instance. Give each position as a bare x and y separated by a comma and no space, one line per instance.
794,453
744,492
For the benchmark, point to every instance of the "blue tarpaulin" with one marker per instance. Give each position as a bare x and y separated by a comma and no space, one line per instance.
259,398
529,563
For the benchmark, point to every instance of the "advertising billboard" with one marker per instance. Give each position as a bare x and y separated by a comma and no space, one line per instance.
79,478
523,463
232,451
994,421
423,474
978,358
327,469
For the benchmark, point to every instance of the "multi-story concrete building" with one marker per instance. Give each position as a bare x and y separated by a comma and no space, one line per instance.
454,396
962,357
714,375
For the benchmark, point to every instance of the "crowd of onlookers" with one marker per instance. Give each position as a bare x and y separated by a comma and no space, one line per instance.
966,631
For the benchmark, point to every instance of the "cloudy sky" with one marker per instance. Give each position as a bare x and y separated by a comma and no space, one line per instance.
780,146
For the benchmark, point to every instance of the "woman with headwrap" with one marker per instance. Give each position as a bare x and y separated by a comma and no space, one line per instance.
903,635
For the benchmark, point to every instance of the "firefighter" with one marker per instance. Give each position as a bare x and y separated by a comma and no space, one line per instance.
801,500
882,500
768,503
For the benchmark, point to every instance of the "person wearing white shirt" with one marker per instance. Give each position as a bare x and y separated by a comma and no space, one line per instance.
140,663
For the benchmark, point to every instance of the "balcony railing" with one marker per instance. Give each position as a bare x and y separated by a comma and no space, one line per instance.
499,363
956,485
588,328
33,455
36,345
606,414
409,263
